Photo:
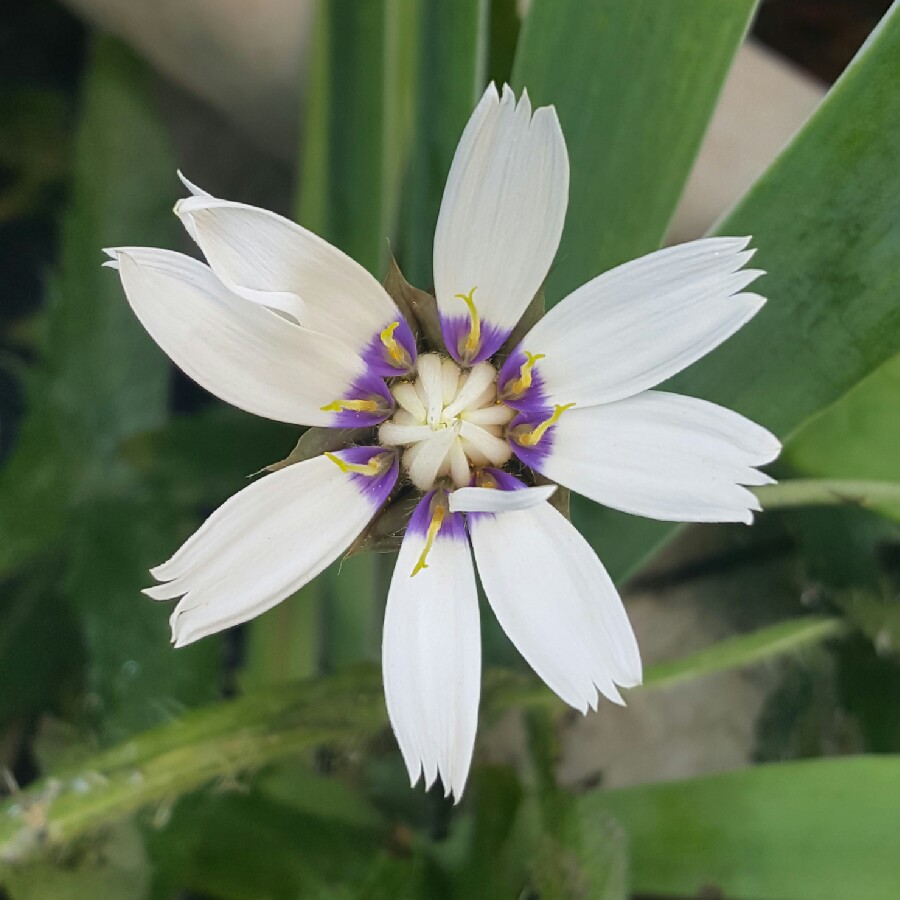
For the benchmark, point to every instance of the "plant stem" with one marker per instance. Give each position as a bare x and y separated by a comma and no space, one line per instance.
826,492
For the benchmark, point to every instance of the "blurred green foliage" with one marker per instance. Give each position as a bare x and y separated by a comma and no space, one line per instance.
150,784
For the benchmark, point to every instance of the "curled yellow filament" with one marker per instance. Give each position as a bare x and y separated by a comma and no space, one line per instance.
354,406
531,437
437,519
373,467
398,355
515,389
473,340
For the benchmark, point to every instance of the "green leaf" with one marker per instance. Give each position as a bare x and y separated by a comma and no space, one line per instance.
245,846
857,437
356,125
33,615
832,316
101,381
746,649
174,759
34,147
112,864
596,870
577,852
635,83
876,613
100,378
202,745
197,462
495,860
791,636
829,492
226,738
821,829
135,678
109,380
450,72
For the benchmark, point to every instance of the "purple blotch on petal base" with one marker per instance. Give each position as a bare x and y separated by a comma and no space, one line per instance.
534,400
505,481
456,329
367,386
376,357
375,487
453,526
533,457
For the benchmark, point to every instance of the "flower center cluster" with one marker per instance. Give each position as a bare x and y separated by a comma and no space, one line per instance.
450,421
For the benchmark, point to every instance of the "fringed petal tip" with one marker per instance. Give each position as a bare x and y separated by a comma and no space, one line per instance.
245,559
647,319
416,772
431,650
557,604
501,215
113,261
160,591
193,188
249,357
663,456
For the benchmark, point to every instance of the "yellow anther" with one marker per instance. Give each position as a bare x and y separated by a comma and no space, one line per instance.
530,438
515,389
354,406
373,467
437,519
396,351
485,479
473,340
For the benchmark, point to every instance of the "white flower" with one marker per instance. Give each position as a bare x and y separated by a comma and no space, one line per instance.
284,325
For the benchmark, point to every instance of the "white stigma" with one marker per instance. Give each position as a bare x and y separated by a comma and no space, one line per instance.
449,420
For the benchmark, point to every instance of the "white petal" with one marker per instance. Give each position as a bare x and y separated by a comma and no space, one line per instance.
502,213
478,499
402,417
431,655
556,603
449,380
459,465
265,543
479,380
394,435
498,414
270,260
431,381
406,396
640,323
492,448
245,354
429,457
663,456
195,190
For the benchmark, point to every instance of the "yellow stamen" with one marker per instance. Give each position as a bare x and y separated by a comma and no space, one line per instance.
530,438
373,467
437,519
354,406
397,353
470,348
485,479
515,389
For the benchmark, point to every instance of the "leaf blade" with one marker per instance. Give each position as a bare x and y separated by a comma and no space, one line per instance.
813,829
832,317
641,117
